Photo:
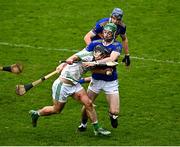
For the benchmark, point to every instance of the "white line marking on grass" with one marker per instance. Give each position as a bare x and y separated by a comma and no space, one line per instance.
155,60
73,50
34,47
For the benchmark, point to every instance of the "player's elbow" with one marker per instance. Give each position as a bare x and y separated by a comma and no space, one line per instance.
114,56
86,36
87,39
88,104
125,39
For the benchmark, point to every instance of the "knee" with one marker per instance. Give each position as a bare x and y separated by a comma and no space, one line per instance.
114,111
57,110
88,104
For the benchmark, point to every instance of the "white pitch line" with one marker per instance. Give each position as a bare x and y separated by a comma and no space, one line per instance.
73,50
34,47
155,60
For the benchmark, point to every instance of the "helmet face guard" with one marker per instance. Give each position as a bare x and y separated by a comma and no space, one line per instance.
100,52
112,28
118,13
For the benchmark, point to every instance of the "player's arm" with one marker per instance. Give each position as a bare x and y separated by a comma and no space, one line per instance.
60,67
72,58
125,44
97,30
88,37
84,80
113,57
106,71
126,58
81,55
69,60
76,57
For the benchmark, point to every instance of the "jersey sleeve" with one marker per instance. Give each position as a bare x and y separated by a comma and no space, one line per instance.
98,28
85,55
122,30
117,47
90,47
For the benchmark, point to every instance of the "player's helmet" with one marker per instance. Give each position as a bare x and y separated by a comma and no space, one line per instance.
110,27
118,13
100,52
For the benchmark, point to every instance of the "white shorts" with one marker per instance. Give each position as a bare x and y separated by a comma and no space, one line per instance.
109,87
60,91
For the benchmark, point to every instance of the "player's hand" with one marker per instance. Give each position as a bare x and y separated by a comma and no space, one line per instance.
126,60
108,71
60,67
69,61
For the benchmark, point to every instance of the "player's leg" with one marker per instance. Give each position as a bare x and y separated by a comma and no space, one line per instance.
114,103
57,107
48,110
59,101
91,113
93,90
87,103
84,118
113,99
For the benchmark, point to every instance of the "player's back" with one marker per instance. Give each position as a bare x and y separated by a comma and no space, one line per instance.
72,72
98,28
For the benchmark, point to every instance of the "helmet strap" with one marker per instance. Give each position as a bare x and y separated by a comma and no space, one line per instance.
110,19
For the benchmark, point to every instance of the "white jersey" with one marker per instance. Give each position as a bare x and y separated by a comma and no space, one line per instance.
74,72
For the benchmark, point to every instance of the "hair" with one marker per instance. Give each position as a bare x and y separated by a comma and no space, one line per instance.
104,51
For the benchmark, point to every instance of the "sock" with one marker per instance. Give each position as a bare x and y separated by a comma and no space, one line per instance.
114,121
113,116
84,121
38,113
95,125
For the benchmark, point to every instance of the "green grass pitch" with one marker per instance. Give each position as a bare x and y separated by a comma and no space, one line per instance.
39,33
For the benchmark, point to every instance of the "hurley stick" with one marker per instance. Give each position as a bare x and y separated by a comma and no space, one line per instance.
22,89
108,63
14,68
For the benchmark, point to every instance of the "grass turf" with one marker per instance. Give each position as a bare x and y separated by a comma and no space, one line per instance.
31,32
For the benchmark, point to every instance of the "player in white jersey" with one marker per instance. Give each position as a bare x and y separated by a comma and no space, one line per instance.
67,85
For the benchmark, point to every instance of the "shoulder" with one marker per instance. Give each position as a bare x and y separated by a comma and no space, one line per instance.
117,46
121,28
91,46
102,22
97,41
116,43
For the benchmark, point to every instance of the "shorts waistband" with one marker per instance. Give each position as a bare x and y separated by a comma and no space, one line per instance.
65,84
